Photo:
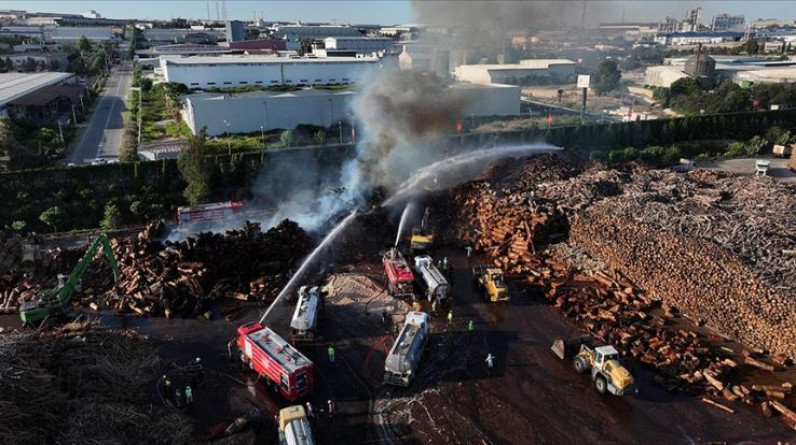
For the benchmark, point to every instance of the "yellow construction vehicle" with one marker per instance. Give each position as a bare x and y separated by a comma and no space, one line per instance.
422,239
490,281
603,361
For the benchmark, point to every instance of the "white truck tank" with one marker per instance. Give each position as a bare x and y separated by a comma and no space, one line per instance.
404,356
304,323
434,282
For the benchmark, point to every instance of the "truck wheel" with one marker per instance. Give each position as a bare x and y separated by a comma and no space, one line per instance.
580,365
600,384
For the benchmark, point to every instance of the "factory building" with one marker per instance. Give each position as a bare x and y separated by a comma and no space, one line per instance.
359,45
248,112
156,35
523,73
662,76
722,22
295,33
63,34
16,86
237,71
235,31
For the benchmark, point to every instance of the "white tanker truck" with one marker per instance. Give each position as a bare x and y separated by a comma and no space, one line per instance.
404,356
304,324
434,283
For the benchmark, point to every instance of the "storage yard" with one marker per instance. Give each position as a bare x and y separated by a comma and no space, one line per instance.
688,277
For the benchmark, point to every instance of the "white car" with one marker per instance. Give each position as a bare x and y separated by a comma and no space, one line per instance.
98,161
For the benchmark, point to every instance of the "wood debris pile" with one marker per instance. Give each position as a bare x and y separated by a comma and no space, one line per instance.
187,277
81,382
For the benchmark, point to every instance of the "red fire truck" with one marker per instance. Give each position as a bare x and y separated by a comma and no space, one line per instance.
207,212
400,278
266,353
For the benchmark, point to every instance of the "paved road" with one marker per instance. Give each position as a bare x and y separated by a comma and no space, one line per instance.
103,137
777,170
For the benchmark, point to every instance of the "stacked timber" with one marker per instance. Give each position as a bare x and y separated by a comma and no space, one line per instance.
187,277
612,221
172,278
699,277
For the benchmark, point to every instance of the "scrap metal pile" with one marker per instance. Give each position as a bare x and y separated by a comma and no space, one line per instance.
684,257
81,381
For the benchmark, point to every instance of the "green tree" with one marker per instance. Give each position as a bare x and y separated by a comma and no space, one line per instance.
9,64
9,146
606,78
146,84
319,137
196,168
84,45
129,149
18,225
687,86
751,46
110,219
53,217
29,65
287,138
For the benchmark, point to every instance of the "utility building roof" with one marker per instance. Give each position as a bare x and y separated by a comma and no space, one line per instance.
16,85
47,94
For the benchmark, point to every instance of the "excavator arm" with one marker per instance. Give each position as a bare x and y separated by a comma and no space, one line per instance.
65,293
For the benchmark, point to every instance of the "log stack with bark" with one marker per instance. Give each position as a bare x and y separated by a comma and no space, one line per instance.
636,247
187,277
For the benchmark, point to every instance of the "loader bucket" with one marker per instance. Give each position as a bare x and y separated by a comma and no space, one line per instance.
558,348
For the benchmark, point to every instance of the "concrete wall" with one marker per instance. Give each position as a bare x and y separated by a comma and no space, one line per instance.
246,113
228,75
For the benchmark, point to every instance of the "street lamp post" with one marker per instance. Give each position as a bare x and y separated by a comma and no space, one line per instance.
262,135
229,137
330,113
340,124
265,123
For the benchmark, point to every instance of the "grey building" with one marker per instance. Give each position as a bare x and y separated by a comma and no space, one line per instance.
236,31
724,22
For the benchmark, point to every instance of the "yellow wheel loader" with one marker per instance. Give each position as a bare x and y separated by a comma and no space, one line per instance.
602,362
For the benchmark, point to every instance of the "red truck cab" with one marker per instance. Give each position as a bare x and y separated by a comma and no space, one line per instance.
400,278
273,358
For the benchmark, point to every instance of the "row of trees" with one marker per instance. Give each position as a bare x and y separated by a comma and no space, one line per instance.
28,65
686,96
89,59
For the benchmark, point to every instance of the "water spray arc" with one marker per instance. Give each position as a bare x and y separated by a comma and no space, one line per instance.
307,262
408,210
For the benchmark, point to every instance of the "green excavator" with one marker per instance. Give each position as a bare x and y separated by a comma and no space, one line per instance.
55,301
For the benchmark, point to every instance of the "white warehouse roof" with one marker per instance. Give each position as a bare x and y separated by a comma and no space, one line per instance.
14,85
257,59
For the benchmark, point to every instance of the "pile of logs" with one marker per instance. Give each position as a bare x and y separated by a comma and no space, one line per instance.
694,275
568,235
187,277
172,278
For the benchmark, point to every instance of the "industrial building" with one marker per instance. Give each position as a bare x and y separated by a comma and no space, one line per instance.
265,110
235,31
14,86
662,76
360,45
183,49
248,112
237,71
260,45
523,73
698,37
741,70
63,34
723,22
295,33
171,35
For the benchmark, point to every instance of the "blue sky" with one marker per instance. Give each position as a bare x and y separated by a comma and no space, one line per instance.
375,11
